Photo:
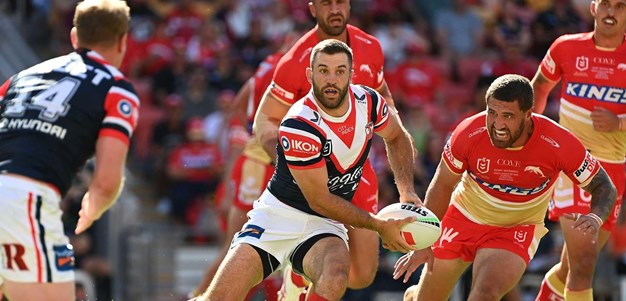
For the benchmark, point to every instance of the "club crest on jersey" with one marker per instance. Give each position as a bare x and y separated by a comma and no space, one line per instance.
369,129
582,63
482,165
125,108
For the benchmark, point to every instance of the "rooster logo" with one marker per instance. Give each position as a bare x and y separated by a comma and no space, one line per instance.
534,169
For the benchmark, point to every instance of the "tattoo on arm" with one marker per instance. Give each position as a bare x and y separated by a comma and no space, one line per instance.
603,194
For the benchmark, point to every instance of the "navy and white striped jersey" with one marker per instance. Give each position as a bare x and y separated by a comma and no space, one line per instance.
53,113
308,138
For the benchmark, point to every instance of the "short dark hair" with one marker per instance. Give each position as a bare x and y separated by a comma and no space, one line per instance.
510,88
331,46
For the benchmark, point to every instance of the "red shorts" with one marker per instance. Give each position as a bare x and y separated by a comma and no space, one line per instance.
249,178
366,194
462,238
569,198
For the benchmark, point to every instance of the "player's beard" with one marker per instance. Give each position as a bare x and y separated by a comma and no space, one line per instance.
513,136
330,104
333,30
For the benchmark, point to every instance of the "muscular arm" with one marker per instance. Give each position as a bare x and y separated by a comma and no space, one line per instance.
542,87
266,121
440,190
401,155
240,106
603,194
106,184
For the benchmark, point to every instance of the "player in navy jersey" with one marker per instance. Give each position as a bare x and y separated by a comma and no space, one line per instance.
324,141
53,117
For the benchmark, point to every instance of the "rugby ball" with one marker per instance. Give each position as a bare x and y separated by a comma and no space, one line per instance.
421,233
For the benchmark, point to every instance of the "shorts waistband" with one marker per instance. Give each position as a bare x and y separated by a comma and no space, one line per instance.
26,183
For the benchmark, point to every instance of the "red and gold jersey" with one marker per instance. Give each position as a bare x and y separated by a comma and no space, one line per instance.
591,77
513,186
290,83
261,79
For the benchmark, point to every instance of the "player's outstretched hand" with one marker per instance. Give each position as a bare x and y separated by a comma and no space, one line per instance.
87,215
389,232
409,262
412,198
587,224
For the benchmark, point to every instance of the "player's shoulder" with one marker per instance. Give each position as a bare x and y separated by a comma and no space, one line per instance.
303,110
552,133
300,52
573,38
471,126
361,39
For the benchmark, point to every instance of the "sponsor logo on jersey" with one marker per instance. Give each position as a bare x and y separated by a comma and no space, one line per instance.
477,131
299,145
64,257
550,140
125,108
509,162
549,64
582,63
511,189
602,93
33,124
316,117
482,165
535,170
360,99
447,151
604,61
252,231
364,39
348,179
586,168
280,92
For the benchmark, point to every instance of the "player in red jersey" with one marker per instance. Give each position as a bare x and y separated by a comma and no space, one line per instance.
591,67
492,189
290,84
53,117
253,168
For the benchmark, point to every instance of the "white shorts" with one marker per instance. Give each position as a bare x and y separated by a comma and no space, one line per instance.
33,246
278,228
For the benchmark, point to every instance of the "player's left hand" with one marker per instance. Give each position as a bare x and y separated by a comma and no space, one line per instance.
604,120
586,224
87,215
409,262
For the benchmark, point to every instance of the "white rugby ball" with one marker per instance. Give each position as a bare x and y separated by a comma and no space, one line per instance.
421,233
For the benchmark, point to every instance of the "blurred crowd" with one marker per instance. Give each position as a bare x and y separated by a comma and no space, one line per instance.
188,59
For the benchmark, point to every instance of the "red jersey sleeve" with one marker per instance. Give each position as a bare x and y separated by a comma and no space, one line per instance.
455,152
578,164
550,65
289,82
122,112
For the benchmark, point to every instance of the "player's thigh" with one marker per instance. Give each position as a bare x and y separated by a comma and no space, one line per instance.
327,255
363,256
496,271
61,291
240,270
439,284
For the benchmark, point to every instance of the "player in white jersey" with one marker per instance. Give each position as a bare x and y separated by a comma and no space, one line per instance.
591,67
324,141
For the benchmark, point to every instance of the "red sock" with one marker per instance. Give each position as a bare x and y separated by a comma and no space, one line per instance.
315,297
552,288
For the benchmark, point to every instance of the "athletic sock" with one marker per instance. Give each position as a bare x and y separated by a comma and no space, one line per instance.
584,295
552,287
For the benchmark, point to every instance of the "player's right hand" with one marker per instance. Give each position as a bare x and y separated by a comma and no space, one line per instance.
586,224
389,232
408,263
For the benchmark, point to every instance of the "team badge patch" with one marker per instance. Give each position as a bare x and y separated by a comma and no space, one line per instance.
125,108
64,257
482,165
252,231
